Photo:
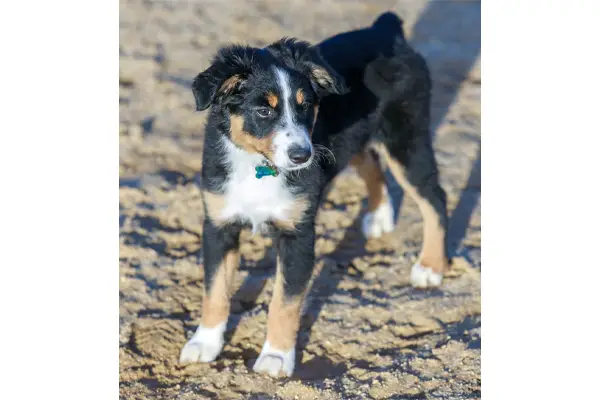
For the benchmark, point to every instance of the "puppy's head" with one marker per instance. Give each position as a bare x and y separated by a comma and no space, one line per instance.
270,97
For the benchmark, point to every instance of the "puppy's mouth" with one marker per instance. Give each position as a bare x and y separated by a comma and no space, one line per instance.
296,167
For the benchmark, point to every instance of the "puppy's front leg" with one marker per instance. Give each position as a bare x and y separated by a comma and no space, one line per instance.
221,260
295,264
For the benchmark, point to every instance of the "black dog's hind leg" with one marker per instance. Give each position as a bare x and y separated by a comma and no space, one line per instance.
403,145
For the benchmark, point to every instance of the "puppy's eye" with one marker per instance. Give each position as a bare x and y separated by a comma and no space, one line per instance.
264,112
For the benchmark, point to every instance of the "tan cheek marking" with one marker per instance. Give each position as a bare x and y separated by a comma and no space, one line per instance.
433,253
295,215
299,96
368,169
214,205
264,146
272,99
216,302
248,142
284,315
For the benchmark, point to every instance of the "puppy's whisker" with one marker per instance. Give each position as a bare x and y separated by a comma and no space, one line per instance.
325,152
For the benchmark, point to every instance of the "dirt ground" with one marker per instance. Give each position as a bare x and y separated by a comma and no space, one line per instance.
366,332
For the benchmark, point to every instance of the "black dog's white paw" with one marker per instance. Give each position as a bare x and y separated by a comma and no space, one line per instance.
275,362
204,346
380,221
424,277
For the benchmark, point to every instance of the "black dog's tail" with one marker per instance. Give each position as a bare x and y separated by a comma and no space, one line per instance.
402,69
391,23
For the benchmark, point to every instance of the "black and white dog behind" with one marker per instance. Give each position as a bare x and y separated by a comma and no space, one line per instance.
298,114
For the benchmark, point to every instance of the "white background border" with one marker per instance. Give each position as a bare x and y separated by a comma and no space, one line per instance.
59,197
540,218
59,200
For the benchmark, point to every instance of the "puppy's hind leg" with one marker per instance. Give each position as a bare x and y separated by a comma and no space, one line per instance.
403,143
416,171
379,218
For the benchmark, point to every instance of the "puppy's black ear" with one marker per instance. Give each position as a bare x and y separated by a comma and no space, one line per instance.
307,59
226,76
324,79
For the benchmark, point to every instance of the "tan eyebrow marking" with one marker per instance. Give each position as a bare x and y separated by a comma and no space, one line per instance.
272,99
299,96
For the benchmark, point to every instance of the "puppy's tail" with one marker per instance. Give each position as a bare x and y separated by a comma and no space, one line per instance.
391,23
405,72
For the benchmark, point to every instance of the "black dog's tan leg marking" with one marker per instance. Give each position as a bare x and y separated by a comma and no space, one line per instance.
431,200
380,216
284,315
217,295
278,355
369,171
221,260
294,269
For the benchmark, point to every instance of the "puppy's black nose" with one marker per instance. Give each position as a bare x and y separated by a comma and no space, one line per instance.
299,155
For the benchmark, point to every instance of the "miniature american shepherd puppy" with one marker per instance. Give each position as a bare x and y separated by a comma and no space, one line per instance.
283,121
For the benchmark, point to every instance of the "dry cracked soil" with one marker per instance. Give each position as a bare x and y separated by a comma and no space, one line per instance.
366,333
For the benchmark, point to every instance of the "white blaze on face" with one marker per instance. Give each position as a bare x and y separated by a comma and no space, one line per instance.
289,133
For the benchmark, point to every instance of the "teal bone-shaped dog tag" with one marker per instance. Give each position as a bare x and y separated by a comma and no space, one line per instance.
265,170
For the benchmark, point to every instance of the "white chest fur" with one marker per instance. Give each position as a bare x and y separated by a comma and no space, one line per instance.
253,200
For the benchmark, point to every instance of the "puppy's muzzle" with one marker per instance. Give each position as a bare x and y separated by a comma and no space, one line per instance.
299,154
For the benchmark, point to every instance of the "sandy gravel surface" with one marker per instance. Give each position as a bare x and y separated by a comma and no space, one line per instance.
366,332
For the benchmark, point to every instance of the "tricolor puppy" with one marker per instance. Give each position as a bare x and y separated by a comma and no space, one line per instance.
284,120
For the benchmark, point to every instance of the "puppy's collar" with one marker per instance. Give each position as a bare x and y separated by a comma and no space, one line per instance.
266,169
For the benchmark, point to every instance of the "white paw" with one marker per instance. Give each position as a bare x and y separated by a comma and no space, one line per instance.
423,277
379,221
204,346
275,362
